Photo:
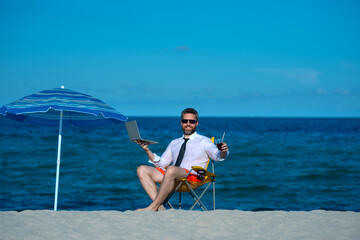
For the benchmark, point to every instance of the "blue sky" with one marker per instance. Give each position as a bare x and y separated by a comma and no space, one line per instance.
155,58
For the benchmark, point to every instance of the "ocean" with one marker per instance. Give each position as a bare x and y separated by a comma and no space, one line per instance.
286,164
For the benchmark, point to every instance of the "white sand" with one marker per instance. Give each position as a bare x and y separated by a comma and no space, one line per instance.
179,224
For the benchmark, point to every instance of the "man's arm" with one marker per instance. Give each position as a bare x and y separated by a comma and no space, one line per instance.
213,152
163,161
146,148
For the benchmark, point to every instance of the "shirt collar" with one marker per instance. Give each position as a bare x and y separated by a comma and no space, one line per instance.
192,136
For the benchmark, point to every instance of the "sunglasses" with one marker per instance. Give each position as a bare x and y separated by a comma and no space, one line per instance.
184,121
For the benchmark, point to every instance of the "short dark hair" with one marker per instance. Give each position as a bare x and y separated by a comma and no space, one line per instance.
192,111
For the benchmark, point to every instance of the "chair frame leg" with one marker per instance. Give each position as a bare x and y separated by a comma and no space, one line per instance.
202,194
196,198
171,206
214,193
193,194
213,182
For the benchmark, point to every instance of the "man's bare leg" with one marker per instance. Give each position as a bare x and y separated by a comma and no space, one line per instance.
148,177
172,175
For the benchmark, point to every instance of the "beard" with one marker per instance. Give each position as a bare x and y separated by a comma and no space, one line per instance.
189,131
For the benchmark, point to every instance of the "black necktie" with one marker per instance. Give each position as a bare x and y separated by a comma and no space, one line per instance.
181,153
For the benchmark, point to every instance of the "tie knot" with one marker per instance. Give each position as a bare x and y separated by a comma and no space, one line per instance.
186,139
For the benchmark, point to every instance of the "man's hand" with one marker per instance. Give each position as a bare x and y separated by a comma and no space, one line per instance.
224,147
143,145
224,150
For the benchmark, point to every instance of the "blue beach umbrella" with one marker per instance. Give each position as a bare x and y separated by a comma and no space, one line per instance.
62,107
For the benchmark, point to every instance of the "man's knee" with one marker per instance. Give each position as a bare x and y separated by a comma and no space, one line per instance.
172,171
141,170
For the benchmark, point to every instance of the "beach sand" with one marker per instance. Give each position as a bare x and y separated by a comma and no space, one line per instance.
179,224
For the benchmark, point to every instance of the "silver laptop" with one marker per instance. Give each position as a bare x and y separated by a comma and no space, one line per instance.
134,134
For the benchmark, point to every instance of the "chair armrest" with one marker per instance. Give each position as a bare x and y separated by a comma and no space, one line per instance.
202,171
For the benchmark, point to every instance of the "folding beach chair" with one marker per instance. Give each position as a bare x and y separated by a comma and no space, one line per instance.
185,185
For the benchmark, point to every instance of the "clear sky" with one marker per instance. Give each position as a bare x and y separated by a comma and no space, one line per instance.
155,58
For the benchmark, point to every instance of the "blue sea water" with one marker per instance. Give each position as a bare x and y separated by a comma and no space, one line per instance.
274,164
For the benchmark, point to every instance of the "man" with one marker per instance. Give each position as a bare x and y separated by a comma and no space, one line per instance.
197,148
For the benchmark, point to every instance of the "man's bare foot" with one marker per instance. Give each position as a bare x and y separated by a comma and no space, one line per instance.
152,207
161,208
149,208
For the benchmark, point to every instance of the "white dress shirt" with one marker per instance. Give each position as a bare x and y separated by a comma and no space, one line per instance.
198,151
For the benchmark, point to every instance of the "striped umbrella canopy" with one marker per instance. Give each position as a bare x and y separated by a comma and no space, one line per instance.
79,109
62,107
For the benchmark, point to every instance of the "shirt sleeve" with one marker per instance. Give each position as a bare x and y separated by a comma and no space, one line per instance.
212,151
165,159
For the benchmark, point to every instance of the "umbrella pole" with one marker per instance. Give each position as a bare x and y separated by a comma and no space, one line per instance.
58,161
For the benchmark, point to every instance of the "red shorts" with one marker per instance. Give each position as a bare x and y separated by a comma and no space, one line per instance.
191,177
